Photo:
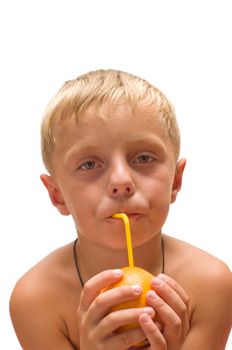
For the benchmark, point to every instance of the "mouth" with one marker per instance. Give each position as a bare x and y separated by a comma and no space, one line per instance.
131,216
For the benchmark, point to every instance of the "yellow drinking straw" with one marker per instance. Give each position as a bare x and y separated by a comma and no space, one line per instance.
125,219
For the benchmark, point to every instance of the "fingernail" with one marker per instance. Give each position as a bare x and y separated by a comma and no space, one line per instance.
149,311
162,277
151,294
136,288
145,318
157,282
117,272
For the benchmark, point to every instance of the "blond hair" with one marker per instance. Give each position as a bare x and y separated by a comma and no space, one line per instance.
94,88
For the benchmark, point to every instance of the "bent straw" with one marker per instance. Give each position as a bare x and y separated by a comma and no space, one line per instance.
125,219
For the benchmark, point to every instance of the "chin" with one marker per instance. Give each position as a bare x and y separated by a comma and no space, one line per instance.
119,242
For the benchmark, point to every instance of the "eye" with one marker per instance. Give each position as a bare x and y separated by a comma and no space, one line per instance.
144,159
88,165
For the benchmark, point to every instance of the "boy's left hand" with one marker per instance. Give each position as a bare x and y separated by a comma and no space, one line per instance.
170,303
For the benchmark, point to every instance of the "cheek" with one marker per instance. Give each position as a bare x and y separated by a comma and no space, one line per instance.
159,197
82,203
158,189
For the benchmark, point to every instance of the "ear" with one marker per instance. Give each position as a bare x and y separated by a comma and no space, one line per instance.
55,194
177,183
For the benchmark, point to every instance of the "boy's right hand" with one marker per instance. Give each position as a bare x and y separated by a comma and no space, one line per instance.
97,323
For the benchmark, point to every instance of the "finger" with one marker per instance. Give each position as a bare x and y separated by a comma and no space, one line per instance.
175,286
132,339
173,295
95,285
127,317
184,309
172,323
153,334
104,302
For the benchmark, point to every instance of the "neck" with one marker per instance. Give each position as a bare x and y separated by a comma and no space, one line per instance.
93,258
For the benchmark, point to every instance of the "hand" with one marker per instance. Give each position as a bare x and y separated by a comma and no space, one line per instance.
170,303
97,324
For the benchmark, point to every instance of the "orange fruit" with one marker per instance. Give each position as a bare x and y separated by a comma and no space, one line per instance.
131,276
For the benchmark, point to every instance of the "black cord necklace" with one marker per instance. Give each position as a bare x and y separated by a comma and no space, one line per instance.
78,269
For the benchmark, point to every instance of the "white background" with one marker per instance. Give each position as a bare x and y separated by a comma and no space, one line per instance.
183,47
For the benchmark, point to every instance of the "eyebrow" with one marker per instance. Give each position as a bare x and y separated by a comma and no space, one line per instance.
150,140
138,139
73,151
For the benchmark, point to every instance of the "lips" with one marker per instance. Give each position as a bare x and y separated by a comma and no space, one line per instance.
131,216
132,212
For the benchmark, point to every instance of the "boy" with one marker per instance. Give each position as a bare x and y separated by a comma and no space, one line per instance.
110,143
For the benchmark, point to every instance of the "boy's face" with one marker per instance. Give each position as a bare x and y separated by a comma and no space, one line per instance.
115,160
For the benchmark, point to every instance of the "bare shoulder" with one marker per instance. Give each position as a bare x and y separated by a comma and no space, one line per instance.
37,304
48,272
192,263
208,282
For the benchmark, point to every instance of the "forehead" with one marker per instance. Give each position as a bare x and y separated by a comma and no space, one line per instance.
111,119
111,126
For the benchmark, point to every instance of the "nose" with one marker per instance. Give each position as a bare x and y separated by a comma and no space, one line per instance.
120,182
121,190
